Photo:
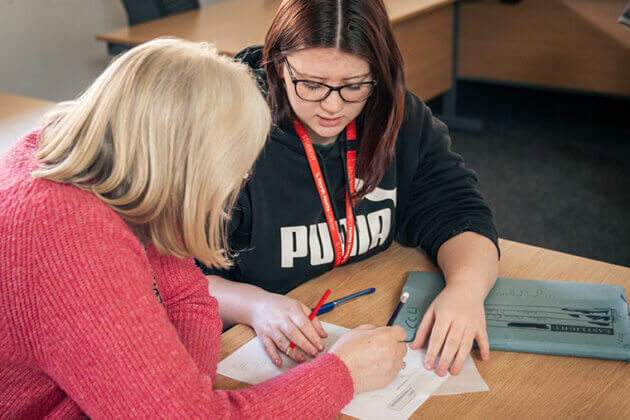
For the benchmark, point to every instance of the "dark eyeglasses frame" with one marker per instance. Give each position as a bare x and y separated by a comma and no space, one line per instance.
330,88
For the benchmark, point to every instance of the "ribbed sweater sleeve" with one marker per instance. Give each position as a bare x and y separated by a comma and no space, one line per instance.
81,309
188,307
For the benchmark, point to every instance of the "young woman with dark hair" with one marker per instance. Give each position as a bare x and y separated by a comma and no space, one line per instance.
355,160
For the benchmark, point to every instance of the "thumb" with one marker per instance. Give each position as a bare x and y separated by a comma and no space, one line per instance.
424,329
399,332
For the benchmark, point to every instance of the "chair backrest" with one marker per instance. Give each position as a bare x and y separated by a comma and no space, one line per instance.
139,11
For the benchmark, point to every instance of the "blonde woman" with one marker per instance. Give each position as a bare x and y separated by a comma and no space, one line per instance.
102,310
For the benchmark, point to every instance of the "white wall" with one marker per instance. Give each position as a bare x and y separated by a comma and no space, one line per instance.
48,49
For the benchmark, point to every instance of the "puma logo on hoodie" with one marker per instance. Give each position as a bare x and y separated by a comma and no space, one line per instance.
371,230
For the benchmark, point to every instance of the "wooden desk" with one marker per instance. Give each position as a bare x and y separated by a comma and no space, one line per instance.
568,44
18,116
521,385
423,28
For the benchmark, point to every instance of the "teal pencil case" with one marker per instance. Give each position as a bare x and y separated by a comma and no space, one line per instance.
538,316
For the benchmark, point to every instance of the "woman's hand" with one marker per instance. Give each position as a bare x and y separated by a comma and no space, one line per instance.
374,356
453,320
279,320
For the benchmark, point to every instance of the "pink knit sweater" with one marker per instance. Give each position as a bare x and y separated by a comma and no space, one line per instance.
82,332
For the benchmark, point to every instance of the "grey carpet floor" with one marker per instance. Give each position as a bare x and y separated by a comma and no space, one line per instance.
553,166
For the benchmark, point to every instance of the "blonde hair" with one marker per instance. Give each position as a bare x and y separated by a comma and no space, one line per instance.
164,137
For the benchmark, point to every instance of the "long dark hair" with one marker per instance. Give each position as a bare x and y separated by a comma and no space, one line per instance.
359,27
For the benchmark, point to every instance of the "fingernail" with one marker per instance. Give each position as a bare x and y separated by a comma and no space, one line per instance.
440,371
277,362
428,365
321,347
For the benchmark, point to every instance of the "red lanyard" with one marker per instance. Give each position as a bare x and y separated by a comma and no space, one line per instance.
351,158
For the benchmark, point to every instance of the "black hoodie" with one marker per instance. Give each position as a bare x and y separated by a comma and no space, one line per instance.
279,228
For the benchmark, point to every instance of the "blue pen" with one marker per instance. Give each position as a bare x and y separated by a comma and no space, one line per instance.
331,305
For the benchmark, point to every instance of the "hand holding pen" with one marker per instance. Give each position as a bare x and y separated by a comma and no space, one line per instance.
279,320
314,312
322,308
374,355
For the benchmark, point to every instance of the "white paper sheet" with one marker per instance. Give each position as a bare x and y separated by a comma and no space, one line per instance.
468,380
413,385
408,391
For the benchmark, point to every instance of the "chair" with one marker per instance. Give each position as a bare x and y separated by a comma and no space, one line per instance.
625,16
139,11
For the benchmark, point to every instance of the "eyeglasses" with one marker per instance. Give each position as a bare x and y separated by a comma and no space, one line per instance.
312,91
